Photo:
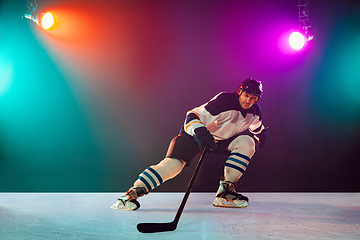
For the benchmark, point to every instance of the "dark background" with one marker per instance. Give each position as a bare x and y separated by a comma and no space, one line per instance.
89,105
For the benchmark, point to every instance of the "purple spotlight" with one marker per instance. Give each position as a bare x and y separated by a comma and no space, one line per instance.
297,40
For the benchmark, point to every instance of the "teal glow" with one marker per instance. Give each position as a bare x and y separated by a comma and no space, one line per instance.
336,88
6,74
349,66
47,143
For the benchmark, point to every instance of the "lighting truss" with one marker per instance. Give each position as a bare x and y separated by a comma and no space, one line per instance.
303,6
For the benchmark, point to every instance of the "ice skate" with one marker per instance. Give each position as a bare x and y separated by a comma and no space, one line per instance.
227,196
129,201
123,203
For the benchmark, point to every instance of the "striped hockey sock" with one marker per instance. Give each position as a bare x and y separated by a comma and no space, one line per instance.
235,166
155,175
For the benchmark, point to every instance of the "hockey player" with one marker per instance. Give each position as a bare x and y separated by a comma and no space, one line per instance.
230,123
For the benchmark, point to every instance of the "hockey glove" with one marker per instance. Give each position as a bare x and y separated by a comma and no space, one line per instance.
204,139
263,136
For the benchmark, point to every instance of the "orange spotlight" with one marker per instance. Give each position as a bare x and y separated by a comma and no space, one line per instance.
45,20
48,21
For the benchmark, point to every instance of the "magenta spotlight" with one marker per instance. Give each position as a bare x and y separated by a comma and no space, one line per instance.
297,40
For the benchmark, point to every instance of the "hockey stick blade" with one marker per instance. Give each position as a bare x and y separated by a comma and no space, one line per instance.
156,227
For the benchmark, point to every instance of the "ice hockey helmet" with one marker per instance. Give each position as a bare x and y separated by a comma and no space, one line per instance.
251,86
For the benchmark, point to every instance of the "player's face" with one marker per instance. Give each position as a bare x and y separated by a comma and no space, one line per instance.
247,100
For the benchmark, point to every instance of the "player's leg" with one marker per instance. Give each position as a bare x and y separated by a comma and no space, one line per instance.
183,148
242,149
149,179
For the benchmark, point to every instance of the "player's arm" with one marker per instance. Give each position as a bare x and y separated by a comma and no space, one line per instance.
204,115
192,122
195,125
261,133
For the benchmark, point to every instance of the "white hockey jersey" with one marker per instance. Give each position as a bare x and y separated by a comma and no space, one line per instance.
224,117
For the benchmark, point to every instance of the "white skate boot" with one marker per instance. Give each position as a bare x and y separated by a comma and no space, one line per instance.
129,200
227,196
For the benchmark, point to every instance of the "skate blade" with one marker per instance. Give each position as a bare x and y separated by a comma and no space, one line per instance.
220,202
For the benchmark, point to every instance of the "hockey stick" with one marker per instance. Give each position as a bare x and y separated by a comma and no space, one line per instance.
171,226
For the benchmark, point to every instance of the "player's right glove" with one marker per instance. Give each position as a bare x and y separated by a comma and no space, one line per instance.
204,139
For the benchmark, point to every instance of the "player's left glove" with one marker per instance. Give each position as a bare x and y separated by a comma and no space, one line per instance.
262,137
204,139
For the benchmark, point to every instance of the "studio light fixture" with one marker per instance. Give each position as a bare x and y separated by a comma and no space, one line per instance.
299,38
45,20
